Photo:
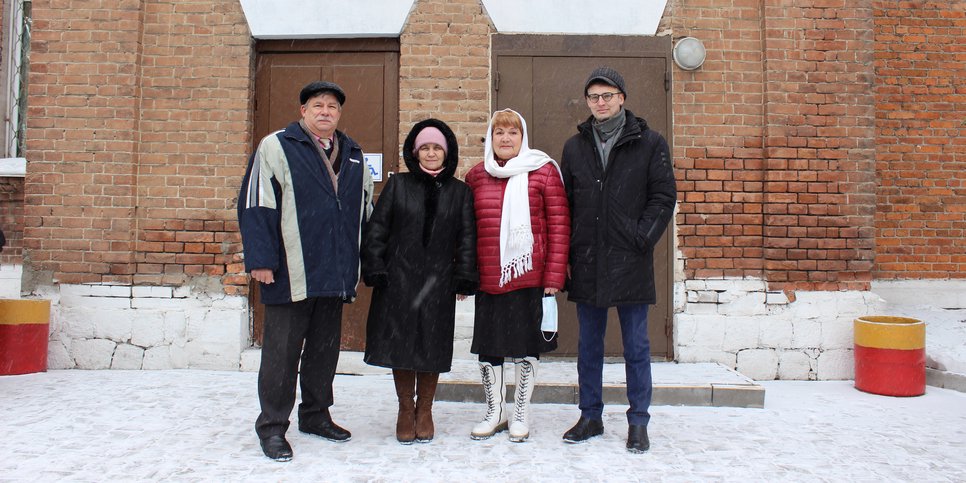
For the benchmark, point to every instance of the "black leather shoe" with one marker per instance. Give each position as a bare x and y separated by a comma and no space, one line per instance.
637,441
584,430
327,430
277,448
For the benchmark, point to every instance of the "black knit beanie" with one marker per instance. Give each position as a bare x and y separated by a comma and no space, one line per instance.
607,76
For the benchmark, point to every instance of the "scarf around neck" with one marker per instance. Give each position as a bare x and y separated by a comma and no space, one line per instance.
516,232
329,160
606,133
434,173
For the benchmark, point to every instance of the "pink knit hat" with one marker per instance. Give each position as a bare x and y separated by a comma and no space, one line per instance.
428,135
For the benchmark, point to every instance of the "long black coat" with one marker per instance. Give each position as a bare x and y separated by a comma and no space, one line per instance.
419,251
618,214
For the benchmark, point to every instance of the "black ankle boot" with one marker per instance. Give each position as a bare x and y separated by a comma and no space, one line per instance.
277,448
326,428
637,441
584,430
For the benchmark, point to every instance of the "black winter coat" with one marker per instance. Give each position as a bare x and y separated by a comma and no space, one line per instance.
618,215
419,251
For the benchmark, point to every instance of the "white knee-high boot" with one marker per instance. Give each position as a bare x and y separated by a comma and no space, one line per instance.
526,380
495,419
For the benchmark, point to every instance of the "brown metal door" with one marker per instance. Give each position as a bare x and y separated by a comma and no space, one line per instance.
368,71
542,78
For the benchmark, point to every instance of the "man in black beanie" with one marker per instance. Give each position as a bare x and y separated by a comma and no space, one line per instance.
620,183
302,203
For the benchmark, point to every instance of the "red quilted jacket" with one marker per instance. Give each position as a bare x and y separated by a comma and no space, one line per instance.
549,218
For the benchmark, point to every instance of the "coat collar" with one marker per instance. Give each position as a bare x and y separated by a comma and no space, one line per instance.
295,132
633,127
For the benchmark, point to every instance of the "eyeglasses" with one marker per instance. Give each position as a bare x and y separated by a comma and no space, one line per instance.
607,96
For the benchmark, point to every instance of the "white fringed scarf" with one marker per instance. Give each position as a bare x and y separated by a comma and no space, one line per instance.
516,233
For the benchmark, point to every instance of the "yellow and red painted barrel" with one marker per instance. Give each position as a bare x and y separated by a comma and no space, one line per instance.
890,355
24,330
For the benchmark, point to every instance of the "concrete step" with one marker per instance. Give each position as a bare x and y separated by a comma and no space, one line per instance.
946,379
697,384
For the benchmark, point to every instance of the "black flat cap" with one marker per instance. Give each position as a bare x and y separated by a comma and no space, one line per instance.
319,87
608,76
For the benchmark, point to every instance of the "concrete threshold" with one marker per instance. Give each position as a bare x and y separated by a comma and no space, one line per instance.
691,384
945,379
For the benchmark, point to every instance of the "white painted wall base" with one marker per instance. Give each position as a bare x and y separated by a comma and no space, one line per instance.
10,277
763,335
735,322
945,294
125,327
463,338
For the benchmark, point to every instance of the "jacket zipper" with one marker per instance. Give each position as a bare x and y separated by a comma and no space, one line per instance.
338,204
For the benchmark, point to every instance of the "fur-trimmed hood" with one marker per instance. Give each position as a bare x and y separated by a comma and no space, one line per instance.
452,150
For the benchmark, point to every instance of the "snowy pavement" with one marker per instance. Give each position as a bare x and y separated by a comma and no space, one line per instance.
195,425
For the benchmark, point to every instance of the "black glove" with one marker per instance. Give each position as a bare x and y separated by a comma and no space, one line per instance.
376,280
465,287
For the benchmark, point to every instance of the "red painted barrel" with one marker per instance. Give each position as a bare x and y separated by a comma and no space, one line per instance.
24,330
890,355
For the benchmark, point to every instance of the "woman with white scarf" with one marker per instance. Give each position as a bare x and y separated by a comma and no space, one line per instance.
523,239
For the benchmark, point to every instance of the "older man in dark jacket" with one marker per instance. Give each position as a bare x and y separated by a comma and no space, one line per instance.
620,183
301,208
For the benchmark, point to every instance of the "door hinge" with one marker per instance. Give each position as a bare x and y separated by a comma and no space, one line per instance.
667,81
496,82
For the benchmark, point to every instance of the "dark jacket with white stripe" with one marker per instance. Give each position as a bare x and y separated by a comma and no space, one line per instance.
293,222
617,214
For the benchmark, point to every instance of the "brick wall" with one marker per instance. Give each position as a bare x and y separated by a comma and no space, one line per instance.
444,72
138,125
921,150
718,131
81,139
775,143
11,219
819,158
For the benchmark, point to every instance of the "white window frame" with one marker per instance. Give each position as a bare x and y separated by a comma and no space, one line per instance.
16,44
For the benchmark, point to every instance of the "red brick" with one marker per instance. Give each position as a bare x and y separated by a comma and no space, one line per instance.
794,136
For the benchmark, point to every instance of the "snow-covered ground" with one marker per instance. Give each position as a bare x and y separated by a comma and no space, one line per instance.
198,426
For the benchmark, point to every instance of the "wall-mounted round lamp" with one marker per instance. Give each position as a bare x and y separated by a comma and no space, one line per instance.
689,53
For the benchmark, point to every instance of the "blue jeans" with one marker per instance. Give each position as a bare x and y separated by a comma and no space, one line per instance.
637,360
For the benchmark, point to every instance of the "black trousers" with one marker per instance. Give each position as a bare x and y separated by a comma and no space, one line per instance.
309,332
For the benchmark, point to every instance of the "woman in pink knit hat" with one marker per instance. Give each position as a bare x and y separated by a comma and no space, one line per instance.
419,253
